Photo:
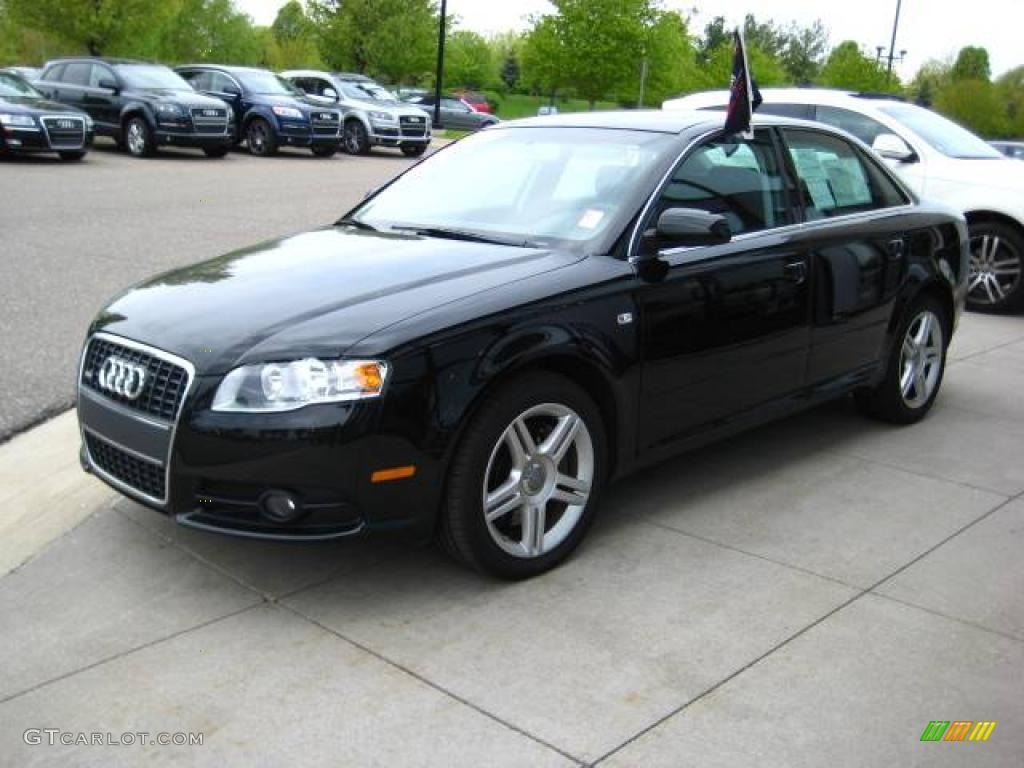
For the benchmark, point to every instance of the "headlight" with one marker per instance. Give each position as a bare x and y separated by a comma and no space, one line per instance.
89,124
169,110
275,387
25,121
382,117
288,112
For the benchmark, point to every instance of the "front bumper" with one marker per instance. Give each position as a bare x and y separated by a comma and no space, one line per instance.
18,140
297,134
212,470
395,136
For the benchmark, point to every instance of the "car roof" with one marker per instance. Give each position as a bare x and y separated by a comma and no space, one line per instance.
819,96
103,59
651,120
224,67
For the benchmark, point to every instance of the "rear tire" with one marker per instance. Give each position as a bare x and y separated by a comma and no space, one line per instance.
996,281
915,369
540,492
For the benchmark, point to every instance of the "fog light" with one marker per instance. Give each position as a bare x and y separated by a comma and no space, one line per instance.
280,506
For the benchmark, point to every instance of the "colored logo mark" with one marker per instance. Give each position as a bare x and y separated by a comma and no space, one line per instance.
958,730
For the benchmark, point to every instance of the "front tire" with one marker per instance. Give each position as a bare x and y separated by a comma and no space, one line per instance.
355,138
260,138
915,368
138,138
524,484
996,282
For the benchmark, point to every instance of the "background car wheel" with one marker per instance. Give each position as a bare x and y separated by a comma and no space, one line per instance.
325,151
413,150
71,157
260,138
215,151
356,141
916,367
996,282
524,484
138,138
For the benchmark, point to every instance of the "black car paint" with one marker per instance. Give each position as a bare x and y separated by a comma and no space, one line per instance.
39,140
247,105
715,340
111,108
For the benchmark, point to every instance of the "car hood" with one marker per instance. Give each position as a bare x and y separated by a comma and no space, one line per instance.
27,105
298,102
313,294
185,98
997,173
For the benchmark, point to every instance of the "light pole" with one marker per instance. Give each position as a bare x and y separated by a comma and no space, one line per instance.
892,43
440,65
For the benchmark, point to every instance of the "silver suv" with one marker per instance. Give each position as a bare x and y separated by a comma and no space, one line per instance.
373,115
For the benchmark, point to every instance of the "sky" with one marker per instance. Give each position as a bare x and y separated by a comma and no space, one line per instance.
929,29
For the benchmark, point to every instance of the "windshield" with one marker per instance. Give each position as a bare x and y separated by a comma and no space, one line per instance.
147,76
944,135
267,83
548,186
367,92
12,85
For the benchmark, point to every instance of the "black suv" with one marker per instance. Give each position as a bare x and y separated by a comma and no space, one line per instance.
29,123
269,111
140,105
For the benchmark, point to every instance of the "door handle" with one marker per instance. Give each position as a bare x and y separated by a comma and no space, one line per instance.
896,249
796,271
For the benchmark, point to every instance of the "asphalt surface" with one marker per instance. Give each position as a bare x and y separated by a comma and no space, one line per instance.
74,235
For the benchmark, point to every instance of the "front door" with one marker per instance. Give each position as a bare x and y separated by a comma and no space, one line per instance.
726,330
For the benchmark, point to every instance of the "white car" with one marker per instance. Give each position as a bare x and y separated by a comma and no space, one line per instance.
937,159
374,117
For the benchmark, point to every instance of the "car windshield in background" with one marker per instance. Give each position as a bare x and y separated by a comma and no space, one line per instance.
146,76
12,85
944,135
367,92
267,84
549,186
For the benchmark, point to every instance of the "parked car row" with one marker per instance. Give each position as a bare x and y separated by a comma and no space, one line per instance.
937,159
144,106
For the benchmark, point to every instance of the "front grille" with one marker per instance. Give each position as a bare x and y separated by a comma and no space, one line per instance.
413,126
326,123
210,120
144,476
65,132
164,386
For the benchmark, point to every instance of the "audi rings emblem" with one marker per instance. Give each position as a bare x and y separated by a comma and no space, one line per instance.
122,378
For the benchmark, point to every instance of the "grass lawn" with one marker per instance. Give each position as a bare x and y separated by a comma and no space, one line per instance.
518,105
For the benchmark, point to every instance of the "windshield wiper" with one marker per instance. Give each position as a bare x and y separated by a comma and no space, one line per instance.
355,223
461,234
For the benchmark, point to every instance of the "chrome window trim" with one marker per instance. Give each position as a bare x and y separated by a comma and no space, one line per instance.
190,371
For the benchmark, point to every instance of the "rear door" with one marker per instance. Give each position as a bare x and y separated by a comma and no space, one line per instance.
725,331
855,237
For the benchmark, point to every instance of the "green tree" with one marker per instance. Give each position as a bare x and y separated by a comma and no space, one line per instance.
99,27
543,58
971,64
510,71
292,43
975,104
847,67
209,30
930,79
804,53
393,39
1010,89
468,61
671,62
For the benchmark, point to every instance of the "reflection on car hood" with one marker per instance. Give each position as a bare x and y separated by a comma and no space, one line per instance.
185,98
313,294
25,105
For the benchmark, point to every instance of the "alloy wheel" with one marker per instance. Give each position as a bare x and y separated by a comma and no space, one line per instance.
257,138
136,139
354,142
995,269
921,359
538,480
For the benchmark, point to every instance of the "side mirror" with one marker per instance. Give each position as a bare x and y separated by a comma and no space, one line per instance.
330,93
691,226
892,147
107,83
232,90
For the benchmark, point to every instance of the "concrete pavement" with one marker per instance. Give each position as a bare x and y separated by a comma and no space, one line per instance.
812,593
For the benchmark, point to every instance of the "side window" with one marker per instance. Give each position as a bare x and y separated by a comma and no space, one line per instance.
863,127
56,73
835,177
219,82
801,111
78,73
736,178
198,80
99,72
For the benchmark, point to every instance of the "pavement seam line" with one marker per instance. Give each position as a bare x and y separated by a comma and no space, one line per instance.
129,651
985,351
799,633
436,686
966,622
48,545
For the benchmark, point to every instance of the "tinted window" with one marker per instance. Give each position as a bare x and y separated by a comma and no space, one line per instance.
12,85
56,72
198,80
78,73
863,127
944,135
220,83
835,177
736,178
801,111
99,72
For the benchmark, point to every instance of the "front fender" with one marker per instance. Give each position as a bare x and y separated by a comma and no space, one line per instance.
135,108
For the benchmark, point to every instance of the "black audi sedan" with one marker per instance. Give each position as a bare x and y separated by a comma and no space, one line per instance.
475,350
140,105
30,124
269,111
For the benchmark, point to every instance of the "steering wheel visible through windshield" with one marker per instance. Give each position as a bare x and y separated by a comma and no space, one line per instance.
541,186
